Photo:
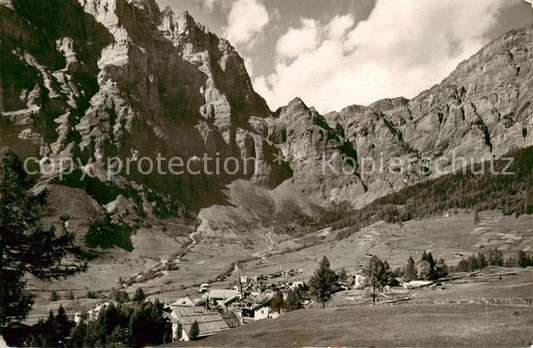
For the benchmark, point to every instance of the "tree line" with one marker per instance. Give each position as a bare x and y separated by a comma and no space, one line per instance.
494,257
465,189
378,273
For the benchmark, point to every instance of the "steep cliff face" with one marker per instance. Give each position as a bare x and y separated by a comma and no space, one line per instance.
481,111
95,79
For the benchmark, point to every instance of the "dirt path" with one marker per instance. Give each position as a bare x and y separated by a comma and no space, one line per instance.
271,246
193,241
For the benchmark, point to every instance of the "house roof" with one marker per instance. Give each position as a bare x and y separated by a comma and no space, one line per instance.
230,318
209,322
262,304
221,293
184,301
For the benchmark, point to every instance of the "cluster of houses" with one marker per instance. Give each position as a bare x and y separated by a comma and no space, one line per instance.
216,310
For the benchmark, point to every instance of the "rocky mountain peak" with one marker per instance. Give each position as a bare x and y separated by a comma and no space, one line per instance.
95,79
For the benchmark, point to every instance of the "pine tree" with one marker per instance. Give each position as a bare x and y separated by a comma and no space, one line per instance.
54,296
495,257
322,282
343,277
277,303
294,300
139,295
63,323
442,268
481,261
523,259
26,247
378,272
122,297
410,270
194,331
432,272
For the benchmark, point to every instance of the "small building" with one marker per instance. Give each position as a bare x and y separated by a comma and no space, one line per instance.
416,284
203,288
219,296
92,314
296,285
360,281
183,302
263,311
209,322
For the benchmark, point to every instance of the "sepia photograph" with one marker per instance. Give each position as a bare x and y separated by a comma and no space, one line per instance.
266,173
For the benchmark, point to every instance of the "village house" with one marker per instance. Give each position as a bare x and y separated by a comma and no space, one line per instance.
359,280
184,302
92,314
263,311
416,284
209,322
222,296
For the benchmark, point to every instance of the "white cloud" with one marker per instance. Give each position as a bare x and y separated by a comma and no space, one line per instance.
297,41
245,20
339,25
403,48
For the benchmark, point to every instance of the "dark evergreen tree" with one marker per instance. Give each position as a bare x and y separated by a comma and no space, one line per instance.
25,246
343,277
122,297
442,268
54,296
277,303
139,295
294,300
378,273
432,266
194,331
409,272
523,259
322,282
63,323
79,335
495,257
481,261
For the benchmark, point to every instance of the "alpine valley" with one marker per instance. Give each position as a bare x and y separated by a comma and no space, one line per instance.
95,80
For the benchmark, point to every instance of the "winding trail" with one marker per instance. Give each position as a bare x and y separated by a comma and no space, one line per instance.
193,240
271,246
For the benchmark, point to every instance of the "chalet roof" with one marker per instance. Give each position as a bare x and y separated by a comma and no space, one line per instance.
209,322
230,318
221,293
261,304
184,301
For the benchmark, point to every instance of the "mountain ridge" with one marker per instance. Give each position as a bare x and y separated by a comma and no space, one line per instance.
124,79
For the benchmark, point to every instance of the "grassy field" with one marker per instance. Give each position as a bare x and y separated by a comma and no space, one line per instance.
423,323
445,236
450,325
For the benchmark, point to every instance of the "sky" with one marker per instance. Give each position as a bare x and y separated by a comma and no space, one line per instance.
335,53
